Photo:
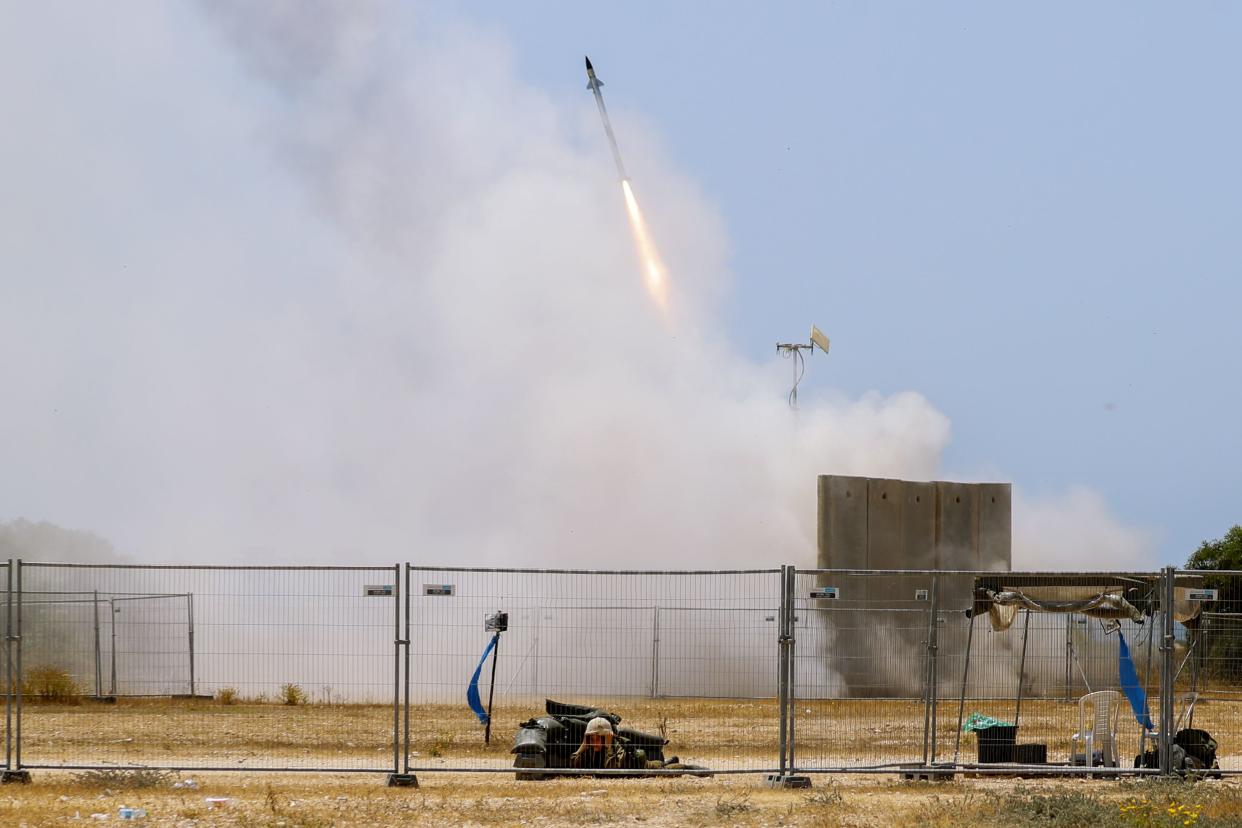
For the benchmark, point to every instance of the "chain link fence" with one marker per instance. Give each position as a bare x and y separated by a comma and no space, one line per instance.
782,671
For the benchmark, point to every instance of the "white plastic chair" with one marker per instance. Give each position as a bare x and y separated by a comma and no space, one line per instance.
1187,702
1101,735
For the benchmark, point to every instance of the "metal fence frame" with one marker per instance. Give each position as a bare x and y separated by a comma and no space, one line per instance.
14,763
410,769
11,688
787,759
928,765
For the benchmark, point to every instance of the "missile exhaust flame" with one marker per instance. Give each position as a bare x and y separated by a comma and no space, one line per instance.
653,268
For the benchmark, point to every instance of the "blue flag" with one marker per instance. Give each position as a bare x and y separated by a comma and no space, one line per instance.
472,692
1129,679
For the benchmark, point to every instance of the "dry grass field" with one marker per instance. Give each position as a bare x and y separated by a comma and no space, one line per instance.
722,734
57,798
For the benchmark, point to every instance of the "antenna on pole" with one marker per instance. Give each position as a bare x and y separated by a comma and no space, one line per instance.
793,352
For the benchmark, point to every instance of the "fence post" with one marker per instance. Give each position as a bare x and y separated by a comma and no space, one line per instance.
782,667
934,648
405,765
396,668
400,777
18,684
112,632
1026,634
791,643
13,691
786,691
98,656
1166,672
961,704
8,668
189,616
655,651
929,677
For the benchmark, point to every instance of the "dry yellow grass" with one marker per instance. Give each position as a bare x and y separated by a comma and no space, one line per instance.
182,732
723,733
717,733
462,799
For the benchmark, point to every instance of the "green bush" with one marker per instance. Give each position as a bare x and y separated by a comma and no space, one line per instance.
292,694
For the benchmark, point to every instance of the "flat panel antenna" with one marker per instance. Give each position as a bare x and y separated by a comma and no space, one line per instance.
818,339
793,352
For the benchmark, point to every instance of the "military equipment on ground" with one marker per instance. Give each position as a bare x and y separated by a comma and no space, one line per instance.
549,741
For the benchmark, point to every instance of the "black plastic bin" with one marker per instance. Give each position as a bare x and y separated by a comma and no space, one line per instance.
1031,754
996,743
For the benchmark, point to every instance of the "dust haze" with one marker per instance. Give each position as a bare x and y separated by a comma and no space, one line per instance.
328,282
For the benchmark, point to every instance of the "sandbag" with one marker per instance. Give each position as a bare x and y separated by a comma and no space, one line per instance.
1198,744
652,746
555,708
561,742
556,730
640,739
1151,758
530,740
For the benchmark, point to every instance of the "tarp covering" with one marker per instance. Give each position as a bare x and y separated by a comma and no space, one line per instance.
1142,591
1003,607
978,721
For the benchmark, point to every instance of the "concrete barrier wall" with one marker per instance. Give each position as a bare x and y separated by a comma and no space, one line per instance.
843,520
879,523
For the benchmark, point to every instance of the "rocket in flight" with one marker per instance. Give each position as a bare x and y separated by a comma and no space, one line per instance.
594,84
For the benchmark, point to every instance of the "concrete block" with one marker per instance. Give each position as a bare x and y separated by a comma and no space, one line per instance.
885,499
995,526
956,547
842,522
918,525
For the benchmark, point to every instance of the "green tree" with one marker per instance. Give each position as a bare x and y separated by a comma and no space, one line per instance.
1225,553
1219,650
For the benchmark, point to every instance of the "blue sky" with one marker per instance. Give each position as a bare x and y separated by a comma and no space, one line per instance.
1027,213
300,282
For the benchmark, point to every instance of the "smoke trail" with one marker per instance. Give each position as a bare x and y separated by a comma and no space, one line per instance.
364,297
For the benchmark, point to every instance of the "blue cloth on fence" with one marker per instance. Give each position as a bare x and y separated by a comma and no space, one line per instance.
1128,677
472,692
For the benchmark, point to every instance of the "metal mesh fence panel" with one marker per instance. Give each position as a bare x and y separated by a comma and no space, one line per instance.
1208,665
860,669
111,644
690,656
367,668
228,668
895,670
1041,673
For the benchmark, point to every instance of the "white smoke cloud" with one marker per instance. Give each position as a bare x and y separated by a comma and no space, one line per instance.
1076,531
426,338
